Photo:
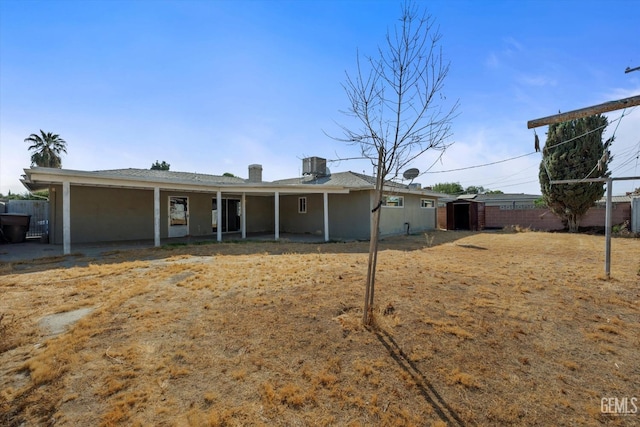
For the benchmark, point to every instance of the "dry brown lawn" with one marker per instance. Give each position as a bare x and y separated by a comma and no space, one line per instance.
471,329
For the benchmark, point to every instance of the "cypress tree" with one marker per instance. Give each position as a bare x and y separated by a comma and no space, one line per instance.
574,150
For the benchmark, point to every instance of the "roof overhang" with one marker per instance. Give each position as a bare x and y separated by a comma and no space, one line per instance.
405,191
39,178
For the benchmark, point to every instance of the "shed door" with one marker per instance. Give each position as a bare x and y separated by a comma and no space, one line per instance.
178,216
450,217
473,216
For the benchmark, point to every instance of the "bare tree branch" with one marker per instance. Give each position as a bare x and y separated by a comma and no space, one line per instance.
397,100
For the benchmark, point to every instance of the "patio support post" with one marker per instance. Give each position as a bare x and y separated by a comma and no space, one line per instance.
66,217
277,215
325,199
156,216
219,215
243,218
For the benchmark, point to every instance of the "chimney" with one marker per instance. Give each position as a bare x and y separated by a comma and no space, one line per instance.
255,173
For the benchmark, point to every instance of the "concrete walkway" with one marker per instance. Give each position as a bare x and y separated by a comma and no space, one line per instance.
34,249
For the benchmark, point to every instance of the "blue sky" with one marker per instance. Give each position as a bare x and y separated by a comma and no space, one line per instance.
213,86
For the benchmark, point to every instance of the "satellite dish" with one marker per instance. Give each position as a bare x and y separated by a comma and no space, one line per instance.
411,173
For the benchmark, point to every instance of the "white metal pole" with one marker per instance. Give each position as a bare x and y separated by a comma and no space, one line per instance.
156,216
66,217
607,231
277,215
243,219
326,215
219,215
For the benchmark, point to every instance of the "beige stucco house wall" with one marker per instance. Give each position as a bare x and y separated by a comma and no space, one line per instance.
133,204
394,220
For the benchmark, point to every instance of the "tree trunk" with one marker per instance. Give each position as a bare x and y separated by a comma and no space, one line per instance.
367,316
371,269
573,221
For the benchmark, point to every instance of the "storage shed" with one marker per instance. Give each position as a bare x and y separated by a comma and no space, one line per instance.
465,214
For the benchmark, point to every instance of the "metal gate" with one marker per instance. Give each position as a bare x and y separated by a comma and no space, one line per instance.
39,211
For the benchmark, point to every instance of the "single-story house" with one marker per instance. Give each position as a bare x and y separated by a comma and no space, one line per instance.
140,204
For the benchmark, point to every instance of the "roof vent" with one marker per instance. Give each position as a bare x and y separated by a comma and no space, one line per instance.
315,166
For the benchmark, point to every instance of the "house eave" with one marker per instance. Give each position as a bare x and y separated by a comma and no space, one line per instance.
39,178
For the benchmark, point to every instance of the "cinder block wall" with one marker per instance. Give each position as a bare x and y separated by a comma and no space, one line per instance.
544,219
442,217
595,217
537,219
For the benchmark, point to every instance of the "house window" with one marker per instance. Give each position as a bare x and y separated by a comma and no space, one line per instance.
427,203
393,201
302,205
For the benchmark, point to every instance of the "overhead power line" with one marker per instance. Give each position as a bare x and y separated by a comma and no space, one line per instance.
534,152
484,164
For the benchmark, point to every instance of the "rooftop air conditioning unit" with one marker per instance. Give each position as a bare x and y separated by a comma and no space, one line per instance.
316,166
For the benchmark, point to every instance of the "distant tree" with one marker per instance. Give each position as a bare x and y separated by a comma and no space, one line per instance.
453,188
540,203
164,166
574,150
395,98
229,174
472,189
47,148
36,195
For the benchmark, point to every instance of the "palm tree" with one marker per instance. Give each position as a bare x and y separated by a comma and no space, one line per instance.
48,147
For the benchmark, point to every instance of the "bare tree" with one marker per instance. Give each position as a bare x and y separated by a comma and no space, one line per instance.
396,100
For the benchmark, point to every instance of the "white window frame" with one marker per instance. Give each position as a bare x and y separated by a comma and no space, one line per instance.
427,203
302,205
399,201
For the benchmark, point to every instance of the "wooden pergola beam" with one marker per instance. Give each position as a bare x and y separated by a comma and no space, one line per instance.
585,112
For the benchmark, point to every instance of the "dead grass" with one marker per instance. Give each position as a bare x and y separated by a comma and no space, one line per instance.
522,332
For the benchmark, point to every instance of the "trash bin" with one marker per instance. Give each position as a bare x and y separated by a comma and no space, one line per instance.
14,226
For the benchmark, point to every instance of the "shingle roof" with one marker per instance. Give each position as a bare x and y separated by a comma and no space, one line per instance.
344,179
502,198
171,175
352,180
615,199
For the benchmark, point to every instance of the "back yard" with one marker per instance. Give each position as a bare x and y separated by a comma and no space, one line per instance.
472,329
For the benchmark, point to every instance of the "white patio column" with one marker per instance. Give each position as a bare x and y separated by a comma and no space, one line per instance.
66,218
325,197
277,215
219,215
243,219
156,216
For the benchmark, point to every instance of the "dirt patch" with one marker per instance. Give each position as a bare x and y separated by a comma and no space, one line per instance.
524,331
57,323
